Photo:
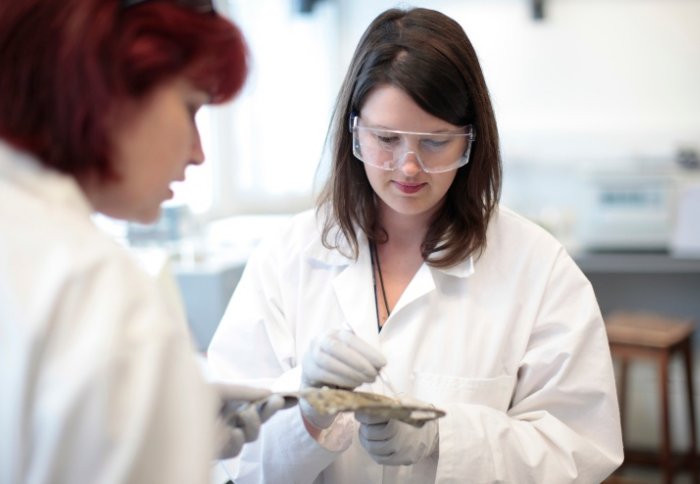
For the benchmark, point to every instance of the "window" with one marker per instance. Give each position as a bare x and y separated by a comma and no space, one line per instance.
263,149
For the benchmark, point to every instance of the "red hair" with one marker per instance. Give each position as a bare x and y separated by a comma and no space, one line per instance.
66,65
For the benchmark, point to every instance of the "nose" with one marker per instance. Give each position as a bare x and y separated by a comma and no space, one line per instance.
197,153
409,164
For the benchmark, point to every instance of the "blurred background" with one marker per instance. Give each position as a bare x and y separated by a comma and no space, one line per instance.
598,105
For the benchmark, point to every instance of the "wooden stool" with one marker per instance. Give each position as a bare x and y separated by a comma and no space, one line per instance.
650,336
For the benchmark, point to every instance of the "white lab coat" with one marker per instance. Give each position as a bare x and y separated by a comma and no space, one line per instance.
511,345
99,385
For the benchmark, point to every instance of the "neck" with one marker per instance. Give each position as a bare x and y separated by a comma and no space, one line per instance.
109,198
404,230
89,184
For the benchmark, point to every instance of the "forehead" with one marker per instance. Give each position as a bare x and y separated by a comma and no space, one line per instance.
390,107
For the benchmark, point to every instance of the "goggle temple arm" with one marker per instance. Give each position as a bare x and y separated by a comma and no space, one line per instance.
352,121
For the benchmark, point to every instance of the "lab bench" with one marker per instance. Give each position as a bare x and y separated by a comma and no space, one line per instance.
644,281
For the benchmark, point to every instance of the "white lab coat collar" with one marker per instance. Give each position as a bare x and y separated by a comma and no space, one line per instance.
463,269
23,170
335,257
361,319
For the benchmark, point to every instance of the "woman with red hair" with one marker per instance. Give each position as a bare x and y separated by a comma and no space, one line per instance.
97,106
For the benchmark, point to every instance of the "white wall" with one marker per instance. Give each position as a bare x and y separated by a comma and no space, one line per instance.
597,82
594,79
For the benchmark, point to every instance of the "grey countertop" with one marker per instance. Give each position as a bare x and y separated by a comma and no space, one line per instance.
636,263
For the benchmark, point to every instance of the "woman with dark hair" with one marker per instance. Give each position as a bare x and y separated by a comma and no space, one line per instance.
410,267
99,379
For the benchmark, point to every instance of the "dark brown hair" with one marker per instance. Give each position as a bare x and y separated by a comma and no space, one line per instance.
427,55
65,65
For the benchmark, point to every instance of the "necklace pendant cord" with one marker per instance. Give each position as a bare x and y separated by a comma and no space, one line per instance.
374,256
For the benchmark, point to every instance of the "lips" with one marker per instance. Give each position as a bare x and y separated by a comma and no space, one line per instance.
408,188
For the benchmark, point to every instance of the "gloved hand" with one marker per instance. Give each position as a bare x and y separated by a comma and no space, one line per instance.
337,359
243,410
392,442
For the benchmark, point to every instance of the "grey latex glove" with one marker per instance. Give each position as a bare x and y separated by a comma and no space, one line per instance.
392,442
243,411
337,359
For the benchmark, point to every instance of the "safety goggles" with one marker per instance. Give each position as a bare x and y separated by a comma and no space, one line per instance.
203,6
435,152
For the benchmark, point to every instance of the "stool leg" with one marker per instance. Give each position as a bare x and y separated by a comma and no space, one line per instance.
666,463
688,358
622,393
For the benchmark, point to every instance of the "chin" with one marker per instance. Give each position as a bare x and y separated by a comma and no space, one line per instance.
405,207
149,218
130,212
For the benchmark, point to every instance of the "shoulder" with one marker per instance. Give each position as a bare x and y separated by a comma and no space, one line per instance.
295,246
508,224
298,236
82,250
516,245
510,232
58,269
45,222
56,242
61,267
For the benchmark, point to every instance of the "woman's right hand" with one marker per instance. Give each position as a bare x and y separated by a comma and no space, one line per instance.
337,359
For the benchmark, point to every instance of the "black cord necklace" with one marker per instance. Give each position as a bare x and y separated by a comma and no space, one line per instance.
374,256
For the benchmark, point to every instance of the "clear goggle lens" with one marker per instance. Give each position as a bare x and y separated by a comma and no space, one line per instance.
388,149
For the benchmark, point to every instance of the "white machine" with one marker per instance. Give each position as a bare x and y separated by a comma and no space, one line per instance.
685,239
627,211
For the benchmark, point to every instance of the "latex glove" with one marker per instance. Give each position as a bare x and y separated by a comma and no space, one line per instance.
392,442
337,359
243,410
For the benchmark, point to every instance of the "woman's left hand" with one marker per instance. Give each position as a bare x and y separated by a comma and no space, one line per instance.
392,442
